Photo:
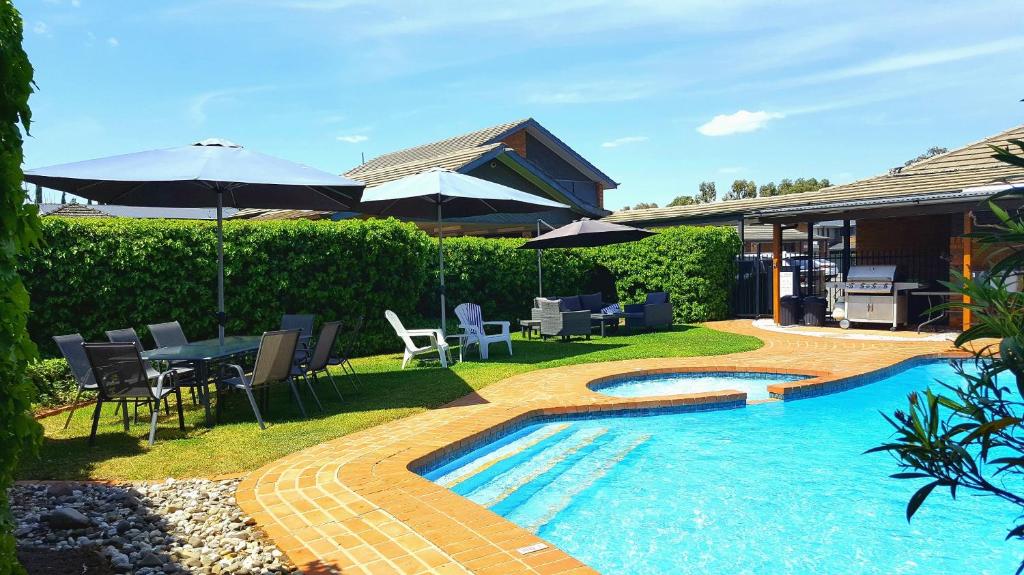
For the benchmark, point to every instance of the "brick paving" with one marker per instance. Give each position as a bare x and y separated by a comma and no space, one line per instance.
352,505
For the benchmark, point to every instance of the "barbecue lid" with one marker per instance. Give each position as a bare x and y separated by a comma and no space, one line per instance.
872,273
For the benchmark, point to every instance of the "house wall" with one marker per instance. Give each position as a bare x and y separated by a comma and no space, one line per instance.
499,173
915,234
558,169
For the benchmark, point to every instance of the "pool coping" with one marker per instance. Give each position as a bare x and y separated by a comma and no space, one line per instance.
355,504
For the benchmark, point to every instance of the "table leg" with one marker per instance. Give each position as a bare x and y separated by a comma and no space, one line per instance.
202,375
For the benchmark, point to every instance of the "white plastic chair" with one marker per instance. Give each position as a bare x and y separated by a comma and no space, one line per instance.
472,322
437,342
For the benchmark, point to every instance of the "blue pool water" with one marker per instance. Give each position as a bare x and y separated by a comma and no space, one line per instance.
777,488
754,384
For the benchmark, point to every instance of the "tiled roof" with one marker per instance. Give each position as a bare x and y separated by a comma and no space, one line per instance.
427,154
969,166
415,163
73,210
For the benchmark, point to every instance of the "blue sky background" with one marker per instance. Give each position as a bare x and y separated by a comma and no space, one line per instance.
659,94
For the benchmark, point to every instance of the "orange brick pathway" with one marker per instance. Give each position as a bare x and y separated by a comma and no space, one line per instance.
352,505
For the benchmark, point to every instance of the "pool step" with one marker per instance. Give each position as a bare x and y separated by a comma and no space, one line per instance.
537,504
506,477
513,449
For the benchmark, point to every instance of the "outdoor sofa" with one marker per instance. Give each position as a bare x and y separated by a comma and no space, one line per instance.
556,321
655,312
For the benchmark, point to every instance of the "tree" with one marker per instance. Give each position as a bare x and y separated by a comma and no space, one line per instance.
768,190
645,206
741,189
970,436
931,152
19,432
682,201
706,193
800,185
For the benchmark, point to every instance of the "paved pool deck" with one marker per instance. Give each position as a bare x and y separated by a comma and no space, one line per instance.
352,505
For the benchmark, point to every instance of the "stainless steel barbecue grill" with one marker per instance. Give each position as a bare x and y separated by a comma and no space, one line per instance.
874,296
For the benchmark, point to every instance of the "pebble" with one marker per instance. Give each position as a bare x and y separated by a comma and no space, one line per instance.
170,527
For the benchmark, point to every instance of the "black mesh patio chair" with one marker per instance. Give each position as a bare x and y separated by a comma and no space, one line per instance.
170,334
121,376
344,359
274,362
71,348
321,355
303,323
128,335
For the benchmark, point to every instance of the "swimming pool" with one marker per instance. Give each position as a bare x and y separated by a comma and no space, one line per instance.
774,488
753,383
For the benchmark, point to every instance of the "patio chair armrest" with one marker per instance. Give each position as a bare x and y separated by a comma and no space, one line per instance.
505,325
634,307
164,375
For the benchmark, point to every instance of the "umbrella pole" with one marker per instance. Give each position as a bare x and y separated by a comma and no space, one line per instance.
540,270
440,258
220,267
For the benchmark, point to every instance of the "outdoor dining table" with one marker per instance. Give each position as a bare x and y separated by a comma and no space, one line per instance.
201,354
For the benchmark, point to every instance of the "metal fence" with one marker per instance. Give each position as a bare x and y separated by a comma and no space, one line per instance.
753,296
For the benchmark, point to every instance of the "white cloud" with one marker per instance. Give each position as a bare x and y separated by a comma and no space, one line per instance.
590,92
623,141
738,122
41,28
113,42
914,60
353,138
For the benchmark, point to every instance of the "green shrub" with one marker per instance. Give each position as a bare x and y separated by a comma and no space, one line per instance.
695,265
99,274
19,230
54,385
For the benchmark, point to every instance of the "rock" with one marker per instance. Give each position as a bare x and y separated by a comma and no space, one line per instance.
122,526
67,518
149,560
59,489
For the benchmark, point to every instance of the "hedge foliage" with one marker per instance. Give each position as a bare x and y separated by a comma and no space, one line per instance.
99,274
19,230
92,275
53,382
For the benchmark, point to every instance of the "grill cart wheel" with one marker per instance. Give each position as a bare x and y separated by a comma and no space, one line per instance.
845,324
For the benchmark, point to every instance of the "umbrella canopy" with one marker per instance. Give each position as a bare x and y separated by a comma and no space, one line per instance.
587,234
581,234
462,196
210,173
194,176
439,192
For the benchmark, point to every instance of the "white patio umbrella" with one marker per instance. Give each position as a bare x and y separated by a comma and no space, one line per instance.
209,173
439,192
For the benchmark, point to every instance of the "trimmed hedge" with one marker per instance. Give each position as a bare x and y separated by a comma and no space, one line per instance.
98,274
53,382
95,275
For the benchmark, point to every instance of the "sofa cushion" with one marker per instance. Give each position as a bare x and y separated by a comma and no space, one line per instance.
657,297
570,303
592,301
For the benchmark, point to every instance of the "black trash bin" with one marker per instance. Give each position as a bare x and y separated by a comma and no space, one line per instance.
789,313
814,310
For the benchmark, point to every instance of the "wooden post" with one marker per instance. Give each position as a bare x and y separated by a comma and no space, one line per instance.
776,271
968,252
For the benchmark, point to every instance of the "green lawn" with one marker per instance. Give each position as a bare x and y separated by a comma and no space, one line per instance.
387,393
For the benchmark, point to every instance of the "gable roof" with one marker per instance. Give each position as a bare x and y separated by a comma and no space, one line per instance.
946,174
456,152
75,210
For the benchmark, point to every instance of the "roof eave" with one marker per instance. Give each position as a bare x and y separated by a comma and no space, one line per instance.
567,153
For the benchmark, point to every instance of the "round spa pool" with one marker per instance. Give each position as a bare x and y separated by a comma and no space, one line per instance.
754,384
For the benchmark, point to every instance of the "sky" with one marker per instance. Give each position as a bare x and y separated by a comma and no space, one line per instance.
659,94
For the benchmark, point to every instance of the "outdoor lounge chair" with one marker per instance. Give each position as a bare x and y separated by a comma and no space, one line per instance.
555,321
472,323
655,312
71,348
121,376
183,375
274,362
303,323
435,337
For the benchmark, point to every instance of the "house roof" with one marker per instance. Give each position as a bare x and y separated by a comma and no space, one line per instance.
949,173
456,152
75,210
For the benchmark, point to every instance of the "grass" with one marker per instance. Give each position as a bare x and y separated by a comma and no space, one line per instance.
236,444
